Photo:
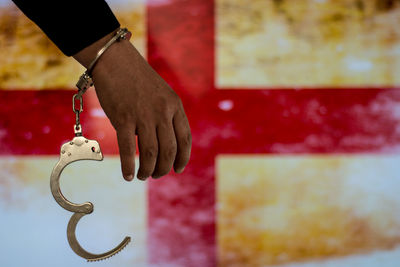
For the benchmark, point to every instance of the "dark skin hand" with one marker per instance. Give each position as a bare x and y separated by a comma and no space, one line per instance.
138,101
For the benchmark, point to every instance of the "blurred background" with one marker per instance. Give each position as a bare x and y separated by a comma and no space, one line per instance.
294,110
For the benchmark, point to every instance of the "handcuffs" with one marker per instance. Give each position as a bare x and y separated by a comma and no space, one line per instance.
81,148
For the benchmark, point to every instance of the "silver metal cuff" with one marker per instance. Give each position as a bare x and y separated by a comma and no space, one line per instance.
121,33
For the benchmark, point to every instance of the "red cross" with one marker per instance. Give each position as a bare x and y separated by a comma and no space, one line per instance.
181,47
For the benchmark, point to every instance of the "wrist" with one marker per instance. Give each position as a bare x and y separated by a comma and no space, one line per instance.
88,54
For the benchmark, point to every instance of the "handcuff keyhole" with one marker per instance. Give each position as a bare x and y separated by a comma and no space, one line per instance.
93,149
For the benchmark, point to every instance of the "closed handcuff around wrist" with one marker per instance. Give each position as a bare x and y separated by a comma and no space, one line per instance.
81,148
85,81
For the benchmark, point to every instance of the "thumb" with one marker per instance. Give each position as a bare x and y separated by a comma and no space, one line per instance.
127,151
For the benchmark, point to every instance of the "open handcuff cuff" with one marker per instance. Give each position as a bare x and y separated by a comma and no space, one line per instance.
80,148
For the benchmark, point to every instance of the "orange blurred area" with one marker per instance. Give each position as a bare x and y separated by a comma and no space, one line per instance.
293,209
29,60
308,43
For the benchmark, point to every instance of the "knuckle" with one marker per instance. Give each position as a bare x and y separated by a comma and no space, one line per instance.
179,104
163,102
176,97
169,153
121,120
169,103
127,151
164,117
187,140
145,124
150,152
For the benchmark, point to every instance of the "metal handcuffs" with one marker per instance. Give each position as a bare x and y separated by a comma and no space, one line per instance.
80,148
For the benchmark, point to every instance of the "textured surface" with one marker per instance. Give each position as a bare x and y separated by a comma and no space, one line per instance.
279,209
288,43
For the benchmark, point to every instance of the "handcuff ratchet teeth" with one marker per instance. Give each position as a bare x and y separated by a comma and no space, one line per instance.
79,148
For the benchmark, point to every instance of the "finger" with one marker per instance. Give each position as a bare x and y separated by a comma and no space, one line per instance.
148,150
184,140
167,149
127,151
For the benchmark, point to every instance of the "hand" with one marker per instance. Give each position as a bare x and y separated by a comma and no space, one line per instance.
139,102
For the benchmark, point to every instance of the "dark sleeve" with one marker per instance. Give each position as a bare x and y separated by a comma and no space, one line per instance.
71,24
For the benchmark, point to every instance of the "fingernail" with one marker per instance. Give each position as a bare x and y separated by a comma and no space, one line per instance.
141,178
180,170
129,177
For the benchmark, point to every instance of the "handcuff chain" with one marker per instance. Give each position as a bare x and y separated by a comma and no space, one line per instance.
85,80
77,127
80,148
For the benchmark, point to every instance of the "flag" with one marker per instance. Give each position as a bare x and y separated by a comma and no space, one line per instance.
293,108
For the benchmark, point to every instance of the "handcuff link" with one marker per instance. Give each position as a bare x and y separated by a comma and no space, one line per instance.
81,148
